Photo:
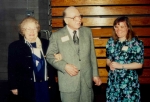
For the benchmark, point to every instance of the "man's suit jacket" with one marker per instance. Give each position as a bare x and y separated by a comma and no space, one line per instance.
61,42
20,69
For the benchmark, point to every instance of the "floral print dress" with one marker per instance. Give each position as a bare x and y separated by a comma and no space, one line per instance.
123,84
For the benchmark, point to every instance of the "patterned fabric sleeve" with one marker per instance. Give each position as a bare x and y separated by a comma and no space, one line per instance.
108,49
139,52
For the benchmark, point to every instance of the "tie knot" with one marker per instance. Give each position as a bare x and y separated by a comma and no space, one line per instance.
74,32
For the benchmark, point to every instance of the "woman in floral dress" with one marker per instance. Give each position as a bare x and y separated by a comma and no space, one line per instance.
125,54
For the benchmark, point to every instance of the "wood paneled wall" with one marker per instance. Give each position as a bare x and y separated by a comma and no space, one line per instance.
99,16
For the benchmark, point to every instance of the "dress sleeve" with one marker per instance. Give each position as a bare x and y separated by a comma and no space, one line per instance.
139,52
109,49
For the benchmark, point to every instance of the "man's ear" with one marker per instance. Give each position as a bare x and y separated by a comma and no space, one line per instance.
66,20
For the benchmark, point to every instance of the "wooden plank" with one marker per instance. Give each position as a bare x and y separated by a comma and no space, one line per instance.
97,2
102,63
100,42
57,22
147,52
102,32
146,63
100,52
103,79
142,31
106,10
103,72
146,41
145,73
96,21
107,32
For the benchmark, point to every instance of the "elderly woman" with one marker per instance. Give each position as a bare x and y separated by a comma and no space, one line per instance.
125,54
29,75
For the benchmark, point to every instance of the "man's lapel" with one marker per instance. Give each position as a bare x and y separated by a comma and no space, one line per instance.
70,41
81,40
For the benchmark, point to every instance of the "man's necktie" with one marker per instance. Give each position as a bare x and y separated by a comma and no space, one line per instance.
75,38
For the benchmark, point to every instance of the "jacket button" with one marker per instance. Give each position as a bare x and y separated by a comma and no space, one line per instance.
49,87
29,67
31,78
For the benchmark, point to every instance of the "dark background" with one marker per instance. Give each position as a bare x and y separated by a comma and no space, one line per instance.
11,13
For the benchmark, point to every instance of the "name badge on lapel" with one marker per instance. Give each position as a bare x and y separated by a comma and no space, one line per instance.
65,38
124,48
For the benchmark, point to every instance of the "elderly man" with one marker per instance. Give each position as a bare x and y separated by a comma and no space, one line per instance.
78,65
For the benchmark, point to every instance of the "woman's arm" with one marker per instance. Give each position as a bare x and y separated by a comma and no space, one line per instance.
133,65
109,63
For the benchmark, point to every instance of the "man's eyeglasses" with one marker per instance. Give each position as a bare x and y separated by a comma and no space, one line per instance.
75,17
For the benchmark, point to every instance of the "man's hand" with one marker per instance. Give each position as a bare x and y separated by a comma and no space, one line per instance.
15,91
97,81
71,69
